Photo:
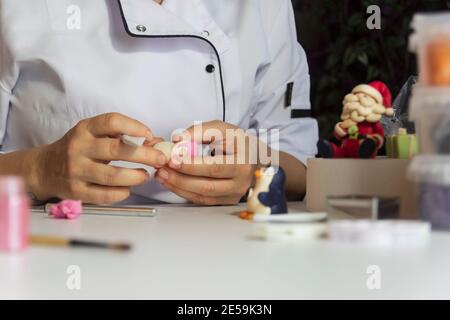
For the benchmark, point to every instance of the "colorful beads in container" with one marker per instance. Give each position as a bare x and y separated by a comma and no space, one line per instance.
434,204
431,41
432,173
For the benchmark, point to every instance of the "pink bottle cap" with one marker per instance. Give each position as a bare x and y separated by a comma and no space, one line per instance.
11,185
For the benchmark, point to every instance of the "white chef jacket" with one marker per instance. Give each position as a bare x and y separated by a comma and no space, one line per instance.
166,65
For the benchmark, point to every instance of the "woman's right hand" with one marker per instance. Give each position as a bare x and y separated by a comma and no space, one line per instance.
77,166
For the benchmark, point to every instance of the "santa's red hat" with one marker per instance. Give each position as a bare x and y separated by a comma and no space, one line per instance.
377,90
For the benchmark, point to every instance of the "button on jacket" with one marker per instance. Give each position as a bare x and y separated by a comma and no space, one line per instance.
166,65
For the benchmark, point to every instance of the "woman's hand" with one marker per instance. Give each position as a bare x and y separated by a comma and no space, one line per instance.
219,180
76,167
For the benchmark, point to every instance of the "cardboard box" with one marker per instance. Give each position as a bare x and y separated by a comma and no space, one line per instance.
381,177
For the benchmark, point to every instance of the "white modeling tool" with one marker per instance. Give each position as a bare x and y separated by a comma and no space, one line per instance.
133,141
291,217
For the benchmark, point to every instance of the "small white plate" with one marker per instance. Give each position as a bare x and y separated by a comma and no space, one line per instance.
294,217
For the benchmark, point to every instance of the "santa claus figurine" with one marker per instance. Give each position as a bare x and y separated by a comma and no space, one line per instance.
360,130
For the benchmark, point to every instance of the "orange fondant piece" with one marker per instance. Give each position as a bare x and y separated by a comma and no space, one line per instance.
245,215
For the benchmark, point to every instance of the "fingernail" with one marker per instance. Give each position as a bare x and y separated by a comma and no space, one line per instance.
162,160
149,136
163,174
182,136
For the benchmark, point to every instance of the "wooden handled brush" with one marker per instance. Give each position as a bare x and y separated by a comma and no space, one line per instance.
63,242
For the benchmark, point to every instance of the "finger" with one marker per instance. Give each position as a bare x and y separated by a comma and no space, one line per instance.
205,186
201,199
240,145
182,136
109,149
107,175
153,142
214,167
206,132
95,194
115,124
224,138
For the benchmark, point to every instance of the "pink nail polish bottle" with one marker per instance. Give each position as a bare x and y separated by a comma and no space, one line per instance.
14,214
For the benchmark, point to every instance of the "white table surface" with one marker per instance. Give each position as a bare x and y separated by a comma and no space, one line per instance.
205,253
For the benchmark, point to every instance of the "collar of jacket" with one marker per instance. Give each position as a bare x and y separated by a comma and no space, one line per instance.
186,18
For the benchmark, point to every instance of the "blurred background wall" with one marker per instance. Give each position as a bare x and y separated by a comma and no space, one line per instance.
342,52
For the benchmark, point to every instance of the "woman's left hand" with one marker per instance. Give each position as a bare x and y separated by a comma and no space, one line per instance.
215,180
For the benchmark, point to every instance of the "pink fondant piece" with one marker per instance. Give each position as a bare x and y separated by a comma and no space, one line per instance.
67,209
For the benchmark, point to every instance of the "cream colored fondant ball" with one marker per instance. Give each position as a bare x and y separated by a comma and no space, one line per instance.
166,148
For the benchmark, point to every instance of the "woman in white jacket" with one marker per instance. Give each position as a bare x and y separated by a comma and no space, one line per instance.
75,75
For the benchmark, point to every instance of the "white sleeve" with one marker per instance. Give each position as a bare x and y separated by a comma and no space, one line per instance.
4,107
7,79
284,101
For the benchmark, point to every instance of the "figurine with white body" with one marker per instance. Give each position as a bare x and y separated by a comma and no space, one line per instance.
169,149
360,131
181,149
269,194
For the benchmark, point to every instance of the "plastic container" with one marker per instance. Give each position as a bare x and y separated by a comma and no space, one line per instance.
430,110
431,42
14,214
432,174
386,233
